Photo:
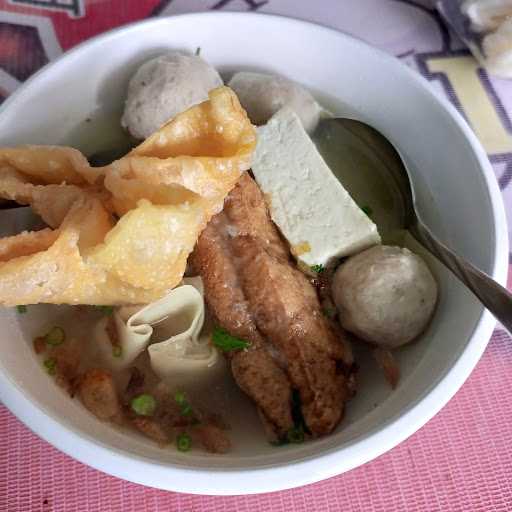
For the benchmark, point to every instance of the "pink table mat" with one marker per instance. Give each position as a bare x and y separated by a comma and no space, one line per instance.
462,459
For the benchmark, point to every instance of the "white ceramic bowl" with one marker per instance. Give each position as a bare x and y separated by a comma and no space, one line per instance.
458,196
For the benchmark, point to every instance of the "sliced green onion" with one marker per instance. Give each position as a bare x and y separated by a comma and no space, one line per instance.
185,407
117,350
21,309
144,405
105,310
295,435
183,442
329,312
50,365
226,343
317,268
180,397
186,410
55,336
366,209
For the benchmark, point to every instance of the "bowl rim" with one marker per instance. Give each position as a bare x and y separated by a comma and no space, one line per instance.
231,481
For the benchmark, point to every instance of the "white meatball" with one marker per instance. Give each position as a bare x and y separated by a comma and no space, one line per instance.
385,295
263,95
163,87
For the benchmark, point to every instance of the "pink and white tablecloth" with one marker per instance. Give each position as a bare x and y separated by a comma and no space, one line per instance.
462,459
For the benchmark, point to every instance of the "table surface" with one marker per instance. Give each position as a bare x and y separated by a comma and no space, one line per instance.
462,459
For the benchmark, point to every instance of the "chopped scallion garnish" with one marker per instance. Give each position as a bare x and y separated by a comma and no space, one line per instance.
55,336
329,312
180,397
21,309
183,442
186,410
105,310
366,209
185,407
317,268
50,365
295,435
226,343
144,405
117,351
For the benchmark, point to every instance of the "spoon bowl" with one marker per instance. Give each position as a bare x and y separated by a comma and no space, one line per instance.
368,156
343,72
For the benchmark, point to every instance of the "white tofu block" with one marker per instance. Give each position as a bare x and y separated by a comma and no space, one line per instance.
308,204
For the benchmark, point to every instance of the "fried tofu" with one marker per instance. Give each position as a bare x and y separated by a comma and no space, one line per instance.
256,292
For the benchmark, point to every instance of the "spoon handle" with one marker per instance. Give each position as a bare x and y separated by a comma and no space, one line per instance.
496,298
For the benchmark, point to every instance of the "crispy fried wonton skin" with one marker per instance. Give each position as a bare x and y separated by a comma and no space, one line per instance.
164,193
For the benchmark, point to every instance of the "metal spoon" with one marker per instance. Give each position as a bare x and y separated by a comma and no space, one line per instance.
349,138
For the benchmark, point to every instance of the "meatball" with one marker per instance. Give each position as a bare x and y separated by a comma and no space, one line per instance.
263,95
385,295
163,87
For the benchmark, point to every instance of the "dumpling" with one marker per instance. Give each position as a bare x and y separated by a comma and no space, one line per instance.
169,328
164,191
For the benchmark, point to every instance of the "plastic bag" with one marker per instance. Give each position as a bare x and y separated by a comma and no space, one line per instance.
485,26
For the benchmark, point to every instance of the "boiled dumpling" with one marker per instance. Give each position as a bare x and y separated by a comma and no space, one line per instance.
169,328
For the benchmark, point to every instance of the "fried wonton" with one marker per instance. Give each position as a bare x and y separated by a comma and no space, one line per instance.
164,193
